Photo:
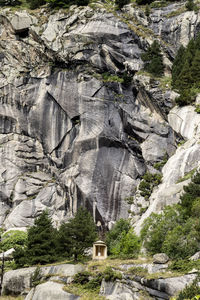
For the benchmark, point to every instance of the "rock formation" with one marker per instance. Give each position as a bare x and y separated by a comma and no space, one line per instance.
79,125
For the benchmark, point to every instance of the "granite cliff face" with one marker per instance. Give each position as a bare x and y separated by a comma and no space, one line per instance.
72,135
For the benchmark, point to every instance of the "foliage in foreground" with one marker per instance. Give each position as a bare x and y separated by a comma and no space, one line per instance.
176,230
121,240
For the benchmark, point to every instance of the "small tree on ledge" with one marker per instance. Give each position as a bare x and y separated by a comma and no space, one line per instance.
153,60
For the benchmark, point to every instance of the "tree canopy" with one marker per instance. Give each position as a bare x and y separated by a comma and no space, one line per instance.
153,60
176,230
78,234
41,241
186,72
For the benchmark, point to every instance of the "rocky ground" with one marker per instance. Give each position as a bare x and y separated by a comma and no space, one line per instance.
140,280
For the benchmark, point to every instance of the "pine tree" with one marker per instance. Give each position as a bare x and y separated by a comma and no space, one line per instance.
195,69
41,244
79,233
177,66
184,82
153,61
192,192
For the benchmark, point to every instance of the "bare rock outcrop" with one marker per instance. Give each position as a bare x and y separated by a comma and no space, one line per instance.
78,124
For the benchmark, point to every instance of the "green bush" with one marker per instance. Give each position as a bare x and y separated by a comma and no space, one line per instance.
114,234
181,241
121,240
128,246
148,183
95,282
157,226
184,265
36,277
12,239
81,277
176,230
110,275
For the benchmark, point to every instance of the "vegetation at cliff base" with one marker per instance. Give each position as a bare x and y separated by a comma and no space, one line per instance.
121,240
176,230
77,235
46,244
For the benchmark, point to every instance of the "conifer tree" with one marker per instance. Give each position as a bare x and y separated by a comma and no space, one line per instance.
185,79
153,60
192,192
79,233
177,66
41,243
195,69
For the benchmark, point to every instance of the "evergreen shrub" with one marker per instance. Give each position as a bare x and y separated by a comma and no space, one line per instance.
153,60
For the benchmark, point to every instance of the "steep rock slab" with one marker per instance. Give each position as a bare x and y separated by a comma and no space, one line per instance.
86,130
185,159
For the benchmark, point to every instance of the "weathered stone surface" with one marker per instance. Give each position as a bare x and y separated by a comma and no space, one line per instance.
7,255
119,291
50,291
180,117
21,21
19,281
160,258
160,288
71,137
151,268
195,257
86,138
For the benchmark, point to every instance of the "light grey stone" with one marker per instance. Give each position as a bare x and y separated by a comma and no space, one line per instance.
21,21
50,291
19,281
195,257
160,258
8,255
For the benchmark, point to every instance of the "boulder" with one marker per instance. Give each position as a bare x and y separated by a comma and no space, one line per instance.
50,291
160,258
21,22
195,257
118,291
8,255
19,281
